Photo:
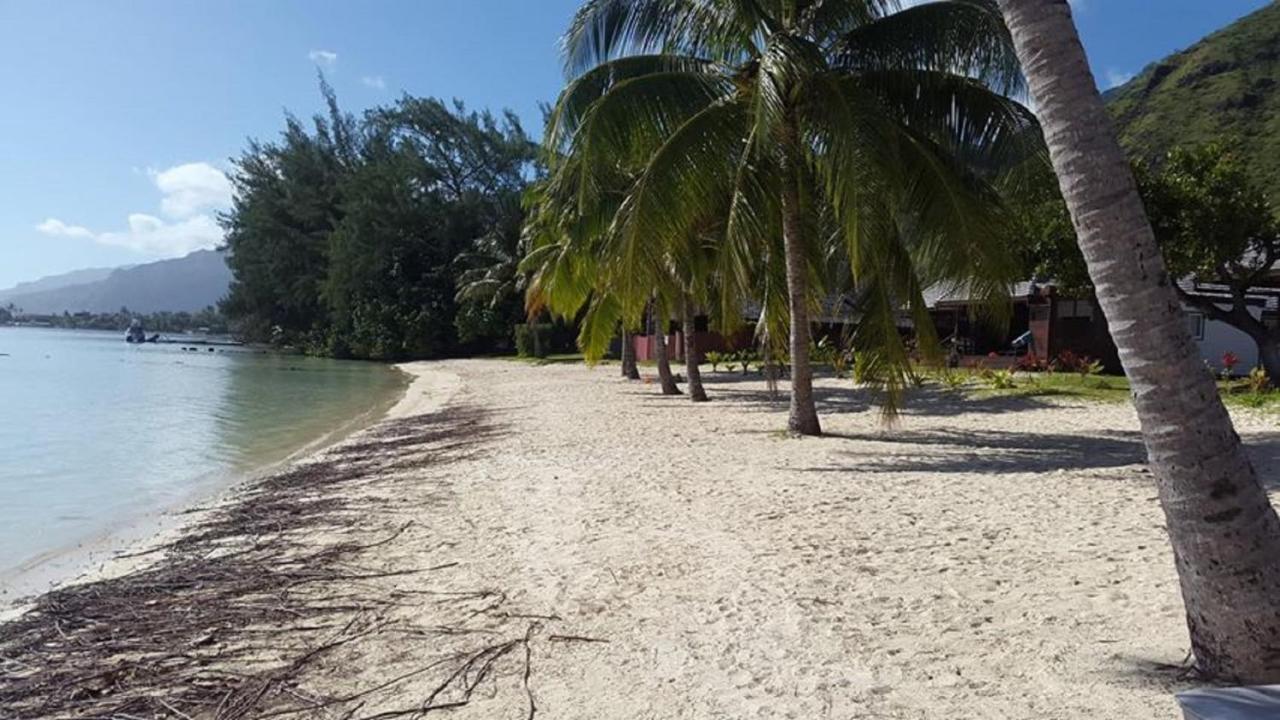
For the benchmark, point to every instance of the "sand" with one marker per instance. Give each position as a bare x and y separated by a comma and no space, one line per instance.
619,554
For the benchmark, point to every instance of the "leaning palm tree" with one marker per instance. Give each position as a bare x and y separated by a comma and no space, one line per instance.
776,114
1224,532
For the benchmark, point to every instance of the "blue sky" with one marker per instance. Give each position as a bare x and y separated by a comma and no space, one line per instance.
117,118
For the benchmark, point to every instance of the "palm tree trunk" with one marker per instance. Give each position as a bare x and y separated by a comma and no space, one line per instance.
1225,535
696,391
1269,356
629,369
667,380
803,419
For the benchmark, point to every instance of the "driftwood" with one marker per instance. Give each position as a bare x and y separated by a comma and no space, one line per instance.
230,615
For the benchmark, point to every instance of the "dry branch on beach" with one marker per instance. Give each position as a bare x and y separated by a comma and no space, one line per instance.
225,623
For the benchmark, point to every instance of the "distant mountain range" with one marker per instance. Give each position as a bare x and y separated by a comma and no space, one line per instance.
187,284
1225,87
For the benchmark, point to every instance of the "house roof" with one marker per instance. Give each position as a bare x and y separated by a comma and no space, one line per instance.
959,294
1267,298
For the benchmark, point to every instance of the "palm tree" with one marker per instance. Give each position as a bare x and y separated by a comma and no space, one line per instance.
629,369
817,122
696,392
490,267
666,379
1224,532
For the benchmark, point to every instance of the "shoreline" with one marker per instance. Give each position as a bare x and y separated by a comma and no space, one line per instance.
122,547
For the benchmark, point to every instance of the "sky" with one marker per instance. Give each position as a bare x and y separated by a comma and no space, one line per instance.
118,119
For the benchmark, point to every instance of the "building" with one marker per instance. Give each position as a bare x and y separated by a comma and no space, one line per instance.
1056,322
1061,323
1215,338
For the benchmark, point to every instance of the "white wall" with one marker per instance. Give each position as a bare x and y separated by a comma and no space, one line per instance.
1220,338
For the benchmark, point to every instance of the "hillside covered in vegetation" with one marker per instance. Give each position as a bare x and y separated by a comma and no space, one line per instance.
1225,87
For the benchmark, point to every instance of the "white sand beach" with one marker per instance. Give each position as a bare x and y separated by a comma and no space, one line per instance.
591,549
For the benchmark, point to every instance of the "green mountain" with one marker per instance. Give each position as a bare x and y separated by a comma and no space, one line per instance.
188,284
1225,87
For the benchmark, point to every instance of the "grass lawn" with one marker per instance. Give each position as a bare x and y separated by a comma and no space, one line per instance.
1098,388
1095,388
1110,389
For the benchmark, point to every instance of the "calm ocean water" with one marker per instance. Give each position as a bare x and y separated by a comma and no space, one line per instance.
95,433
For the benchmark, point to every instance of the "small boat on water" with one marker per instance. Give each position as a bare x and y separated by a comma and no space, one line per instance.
136,333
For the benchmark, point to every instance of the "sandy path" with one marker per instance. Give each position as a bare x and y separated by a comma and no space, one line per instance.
983,559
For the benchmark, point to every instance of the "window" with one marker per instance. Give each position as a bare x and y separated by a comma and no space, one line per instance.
1195,324
1075,309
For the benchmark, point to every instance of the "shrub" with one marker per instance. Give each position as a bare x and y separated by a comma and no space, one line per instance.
830,353
1257,381
1002,380
743,358
953,380
1068,361
1032,363
533,340
716,359
1229,362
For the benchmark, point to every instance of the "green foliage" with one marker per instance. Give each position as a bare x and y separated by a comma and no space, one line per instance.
533,340
1002,380
1257,381
830,353
1211,221
388,237
953,379
689,130
207,321
1226,85
716,359
744,359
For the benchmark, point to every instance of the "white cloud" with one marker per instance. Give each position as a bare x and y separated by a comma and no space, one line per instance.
327,58
152,236
374,81
57,228
192,188
1116,78
192,193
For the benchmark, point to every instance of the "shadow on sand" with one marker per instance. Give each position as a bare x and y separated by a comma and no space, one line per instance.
957,451
929,401
991,451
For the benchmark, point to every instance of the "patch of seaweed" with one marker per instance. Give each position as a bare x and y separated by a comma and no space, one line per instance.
230,615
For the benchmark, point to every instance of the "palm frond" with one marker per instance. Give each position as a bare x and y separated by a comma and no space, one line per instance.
964,37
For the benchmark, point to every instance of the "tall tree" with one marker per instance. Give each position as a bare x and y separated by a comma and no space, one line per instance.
814,122
288,201
1217,229
1224,532
352,238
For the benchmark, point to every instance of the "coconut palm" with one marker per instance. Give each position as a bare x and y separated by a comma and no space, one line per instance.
490,273
628,351
1224,532
798,126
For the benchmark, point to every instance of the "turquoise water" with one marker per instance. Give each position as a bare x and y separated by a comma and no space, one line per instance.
95,432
